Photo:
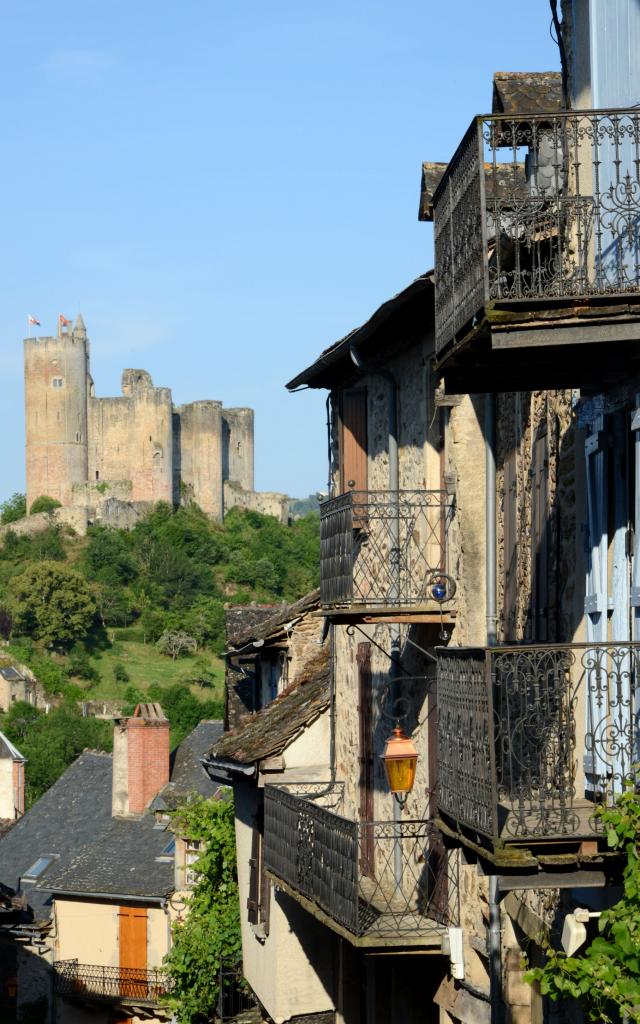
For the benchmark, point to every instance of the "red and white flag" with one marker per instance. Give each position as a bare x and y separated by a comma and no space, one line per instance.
62,320
31,320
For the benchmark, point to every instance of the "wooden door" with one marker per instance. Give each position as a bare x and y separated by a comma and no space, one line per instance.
365,756
133,951
353,440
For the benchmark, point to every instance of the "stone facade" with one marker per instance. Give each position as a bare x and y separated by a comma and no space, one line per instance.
134,449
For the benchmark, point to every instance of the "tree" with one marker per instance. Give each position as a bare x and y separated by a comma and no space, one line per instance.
44,503
606,978
13,508
175,642
52,604
210,932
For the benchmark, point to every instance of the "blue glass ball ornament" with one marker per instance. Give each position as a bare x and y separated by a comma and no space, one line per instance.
439,591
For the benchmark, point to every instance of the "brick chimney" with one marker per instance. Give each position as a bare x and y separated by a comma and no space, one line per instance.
140,759
11,780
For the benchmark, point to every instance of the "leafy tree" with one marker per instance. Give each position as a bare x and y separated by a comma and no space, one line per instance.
210,931
79,664
52,604
183,710
13,508
175,643
606,978
51,742
107,556
44,503
120,673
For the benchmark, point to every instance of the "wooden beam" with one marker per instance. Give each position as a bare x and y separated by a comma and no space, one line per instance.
553,880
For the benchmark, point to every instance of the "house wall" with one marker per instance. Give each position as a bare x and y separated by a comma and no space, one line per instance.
9,788
295,939
88,930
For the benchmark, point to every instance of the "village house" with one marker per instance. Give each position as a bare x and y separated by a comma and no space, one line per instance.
95,875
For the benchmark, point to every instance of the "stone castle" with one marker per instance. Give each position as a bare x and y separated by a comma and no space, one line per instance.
111,458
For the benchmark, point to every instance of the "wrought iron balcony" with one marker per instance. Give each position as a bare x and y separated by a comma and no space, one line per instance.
383,549
374,882
109,984
538,217
532,739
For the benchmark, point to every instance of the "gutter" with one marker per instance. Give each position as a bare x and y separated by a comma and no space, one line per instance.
122,897
224,771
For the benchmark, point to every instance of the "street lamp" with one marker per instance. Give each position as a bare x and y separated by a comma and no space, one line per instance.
400,760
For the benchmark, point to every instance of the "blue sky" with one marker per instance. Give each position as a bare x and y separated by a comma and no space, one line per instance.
224,189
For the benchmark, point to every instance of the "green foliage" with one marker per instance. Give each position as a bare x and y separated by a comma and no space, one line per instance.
44,503
183,710
120,673
53,604
79,664
210,931
13,508
175,643
606,978
50,742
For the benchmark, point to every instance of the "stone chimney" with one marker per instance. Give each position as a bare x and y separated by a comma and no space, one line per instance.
11,780
140,759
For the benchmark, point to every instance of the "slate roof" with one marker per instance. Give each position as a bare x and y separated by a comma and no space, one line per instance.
121,861
404,317
11,674
269,731
66,817
188,777
498,180
527,92
244,617
271,627
8,750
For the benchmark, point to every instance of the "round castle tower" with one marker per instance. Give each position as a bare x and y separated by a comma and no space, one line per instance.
55,386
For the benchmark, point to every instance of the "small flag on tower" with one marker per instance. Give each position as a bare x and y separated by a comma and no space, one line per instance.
62,320
32,321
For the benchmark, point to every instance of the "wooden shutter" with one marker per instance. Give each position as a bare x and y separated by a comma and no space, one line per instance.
133,937
353,440
365,756
510,545
539,539
254,872
265,893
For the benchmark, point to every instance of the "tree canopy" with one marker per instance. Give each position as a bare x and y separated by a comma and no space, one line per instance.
53,604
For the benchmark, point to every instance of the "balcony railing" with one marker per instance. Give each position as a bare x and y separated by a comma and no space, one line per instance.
378,881
382,548
109,984
532,739
537,209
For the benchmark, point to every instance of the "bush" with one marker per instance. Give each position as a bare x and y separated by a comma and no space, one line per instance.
120,673
13,508
79,664
44,504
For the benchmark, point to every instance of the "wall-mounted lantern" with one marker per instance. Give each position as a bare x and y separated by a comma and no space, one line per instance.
400,760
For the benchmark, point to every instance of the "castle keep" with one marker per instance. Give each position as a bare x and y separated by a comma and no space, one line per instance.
136,448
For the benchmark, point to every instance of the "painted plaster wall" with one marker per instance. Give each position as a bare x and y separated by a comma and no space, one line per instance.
295,939
88,930
7,789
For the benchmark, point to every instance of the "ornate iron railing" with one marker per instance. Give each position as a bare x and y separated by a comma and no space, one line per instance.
382,548
532,739
379,879
109,984
532,208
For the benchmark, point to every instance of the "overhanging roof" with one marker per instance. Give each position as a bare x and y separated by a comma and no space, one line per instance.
398,320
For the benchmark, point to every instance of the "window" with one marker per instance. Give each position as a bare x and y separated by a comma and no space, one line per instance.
192,853
37,869
57,382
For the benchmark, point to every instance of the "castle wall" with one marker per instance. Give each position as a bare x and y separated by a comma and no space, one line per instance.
238,448
269,503
55,371
131,437
198,456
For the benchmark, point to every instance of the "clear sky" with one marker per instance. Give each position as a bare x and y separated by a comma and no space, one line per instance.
225,188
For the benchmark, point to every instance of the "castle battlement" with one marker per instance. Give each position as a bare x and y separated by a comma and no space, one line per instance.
136,446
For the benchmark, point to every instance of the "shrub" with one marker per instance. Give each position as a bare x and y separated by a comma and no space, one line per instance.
120,673
44,503
13,508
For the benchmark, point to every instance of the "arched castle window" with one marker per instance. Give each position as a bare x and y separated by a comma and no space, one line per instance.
57,382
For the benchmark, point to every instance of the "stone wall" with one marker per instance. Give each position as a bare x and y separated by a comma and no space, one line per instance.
268,503
238,450
198,456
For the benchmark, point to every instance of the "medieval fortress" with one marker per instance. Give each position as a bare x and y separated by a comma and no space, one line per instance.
108,459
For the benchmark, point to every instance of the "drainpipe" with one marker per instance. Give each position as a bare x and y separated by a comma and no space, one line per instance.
495,950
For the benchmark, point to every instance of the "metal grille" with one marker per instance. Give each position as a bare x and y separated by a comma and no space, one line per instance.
543,735
316,852
234,995
378,548
111,984
543,207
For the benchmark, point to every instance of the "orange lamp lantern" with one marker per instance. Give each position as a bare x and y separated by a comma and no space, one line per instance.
400,760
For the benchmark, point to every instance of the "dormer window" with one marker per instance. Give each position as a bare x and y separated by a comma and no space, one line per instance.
57,382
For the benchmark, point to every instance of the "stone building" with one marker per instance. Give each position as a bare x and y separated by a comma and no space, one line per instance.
137,448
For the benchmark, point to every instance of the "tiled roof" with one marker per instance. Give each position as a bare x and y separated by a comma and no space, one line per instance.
527,92
242,618
269,731
188,777
271,627
500,180
121,861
